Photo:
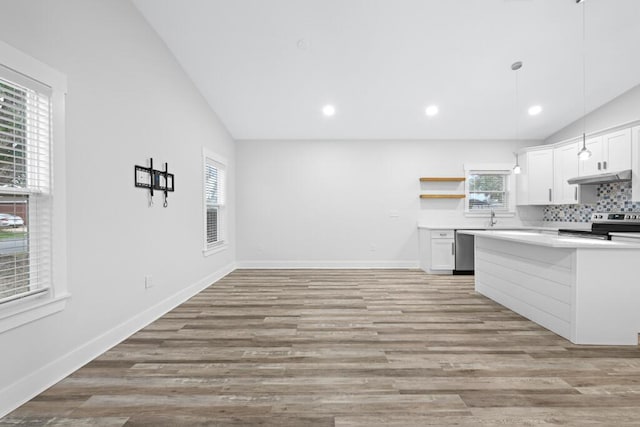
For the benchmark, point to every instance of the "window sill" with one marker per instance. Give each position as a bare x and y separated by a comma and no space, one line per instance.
488,214
215,249
28,311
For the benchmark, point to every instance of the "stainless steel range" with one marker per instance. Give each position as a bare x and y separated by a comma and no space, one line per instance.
603,223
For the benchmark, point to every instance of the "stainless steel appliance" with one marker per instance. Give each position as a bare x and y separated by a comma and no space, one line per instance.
465,247
602,178
603,223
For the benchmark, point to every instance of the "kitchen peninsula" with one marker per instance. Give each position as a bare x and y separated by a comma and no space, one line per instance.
584,290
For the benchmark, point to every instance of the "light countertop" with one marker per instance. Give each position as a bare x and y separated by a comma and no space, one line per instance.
549,240
586,226
622,234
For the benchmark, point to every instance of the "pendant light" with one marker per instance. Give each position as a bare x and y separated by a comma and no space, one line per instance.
584,153
516,168
515,67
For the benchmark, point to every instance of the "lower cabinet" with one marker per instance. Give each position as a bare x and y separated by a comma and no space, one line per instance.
443,254
437,251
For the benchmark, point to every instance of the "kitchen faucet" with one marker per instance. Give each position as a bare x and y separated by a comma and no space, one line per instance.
493,220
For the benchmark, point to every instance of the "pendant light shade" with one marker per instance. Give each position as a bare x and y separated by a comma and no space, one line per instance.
516,168
584,152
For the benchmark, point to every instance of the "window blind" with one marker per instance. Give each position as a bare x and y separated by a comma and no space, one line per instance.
214,201
25,186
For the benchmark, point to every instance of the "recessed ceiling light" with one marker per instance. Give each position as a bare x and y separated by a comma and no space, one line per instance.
431,110
328,110
535,110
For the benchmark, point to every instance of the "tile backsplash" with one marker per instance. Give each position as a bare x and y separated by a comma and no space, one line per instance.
614,197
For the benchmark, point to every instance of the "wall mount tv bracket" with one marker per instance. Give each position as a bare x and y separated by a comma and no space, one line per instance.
153,179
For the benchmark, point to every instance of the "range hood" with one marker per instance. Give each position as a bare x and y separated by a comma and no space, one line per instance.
602,178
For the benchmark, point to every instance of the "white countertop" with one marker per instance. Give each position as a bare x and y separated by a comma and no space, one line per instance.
632,235
586,226
549,240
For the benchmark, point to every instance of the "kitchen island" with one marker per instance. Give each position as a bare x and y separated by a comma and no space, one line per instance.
585,290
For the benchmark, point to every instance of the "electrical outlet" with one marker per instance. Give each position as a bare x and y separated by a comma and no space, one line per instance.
148,282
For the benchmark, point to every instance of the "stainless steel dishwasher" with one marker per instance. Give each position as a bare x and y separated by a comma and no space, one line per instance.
465,248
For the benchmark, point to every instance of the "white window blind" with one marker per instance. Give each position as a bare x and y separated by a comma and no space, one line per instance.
25,186
214,182
488,190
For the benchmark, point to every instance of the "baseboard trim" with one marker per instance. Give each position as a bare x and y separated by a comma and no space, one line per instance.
20,392
292,265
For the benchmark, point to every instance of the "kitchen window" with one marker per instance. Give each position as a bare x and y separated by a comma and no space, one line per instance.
489,188
31,135
215,221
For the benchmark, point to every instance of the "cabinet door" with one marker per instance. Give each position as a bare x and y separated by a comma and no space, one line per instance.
593,165
522,180
540,176
635,163
618,145
442,254
565,166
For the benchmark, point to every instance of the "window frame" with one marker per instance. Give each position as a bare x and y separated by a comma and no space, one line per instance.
488,169
18,312
211,158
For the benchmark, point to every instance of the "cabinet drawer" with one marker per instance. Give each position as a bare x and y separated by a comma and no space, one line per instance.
442,234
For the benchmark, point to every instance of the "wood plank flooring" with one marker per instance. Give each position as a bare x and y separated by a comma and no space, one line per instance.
344,348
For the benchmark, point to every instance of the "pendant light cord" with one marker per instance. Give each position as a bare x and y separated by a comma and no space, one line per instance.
584,71
517,106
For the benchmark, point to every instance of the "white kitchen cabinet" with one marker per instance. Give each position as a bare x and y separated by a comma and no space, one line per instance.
590,165
437,250
635,163
544,176
618,149
443,250
609,153
540,176
565,166
546,169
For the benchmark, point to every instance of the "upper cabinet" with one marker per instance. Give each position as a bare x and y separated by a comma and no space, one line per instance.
540,176
543,180
565,166
546,169
609,153
593,165
618,148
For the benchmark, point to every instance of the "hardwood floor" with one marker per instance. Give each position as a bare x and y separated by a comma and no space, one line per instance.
344,348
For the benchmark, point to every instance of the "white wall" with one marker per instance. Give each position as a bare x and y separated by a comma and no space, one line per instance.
330,203
623,109
127,100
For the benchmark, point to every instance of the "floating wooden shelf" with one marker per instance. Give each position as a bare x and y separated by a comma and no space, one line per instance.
441,179
442,196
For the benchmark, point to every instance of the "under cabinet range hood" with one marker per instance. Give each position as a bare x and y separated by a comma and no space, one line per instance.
603,178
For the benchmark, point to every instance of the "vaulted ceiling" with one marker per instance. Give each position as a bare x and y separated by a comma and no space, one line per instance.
267,67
